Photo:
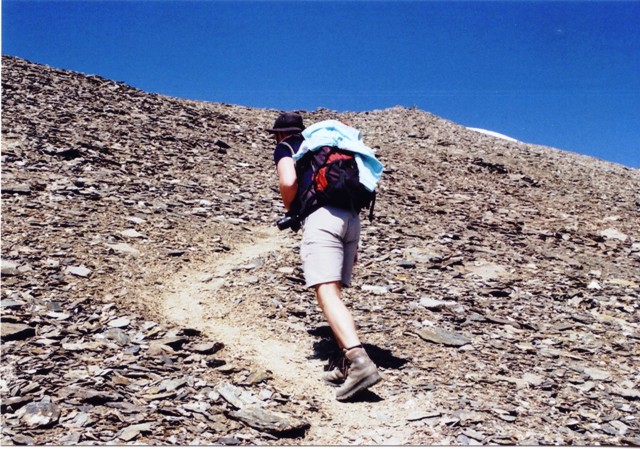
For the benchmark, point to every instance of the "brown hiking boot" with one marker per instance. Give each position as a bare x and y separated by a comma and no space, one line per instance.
334,377
362,374
337,372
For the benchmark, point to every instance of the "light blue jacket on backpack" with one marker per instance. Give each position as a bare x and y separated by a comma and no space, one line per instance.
334,133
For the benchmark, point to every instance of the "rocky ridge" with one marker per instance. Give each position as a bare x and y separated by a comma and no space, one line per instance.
143,281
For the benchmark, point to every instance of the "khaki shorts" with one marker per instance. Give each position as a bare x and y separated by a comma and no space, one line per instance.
329,246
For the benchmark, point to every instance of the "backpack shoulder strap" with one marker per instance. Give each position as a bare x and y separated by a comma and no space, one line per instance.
288,145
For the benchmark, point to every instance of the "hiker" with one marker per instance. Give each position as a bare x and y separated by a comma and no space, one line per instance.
329,250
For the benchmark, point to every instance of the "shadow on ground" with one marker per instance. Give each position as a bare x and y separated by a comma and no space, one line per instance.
326,348
365,396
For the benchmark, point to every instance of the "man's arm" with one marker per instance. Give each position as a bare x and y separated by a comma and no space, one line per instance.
287,181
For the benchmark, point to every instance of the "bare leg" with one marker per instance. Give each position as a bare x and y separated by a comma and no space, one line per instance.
337,314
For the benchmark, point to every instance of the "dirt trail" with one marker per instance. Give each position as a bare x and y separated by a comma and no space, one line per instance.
195,297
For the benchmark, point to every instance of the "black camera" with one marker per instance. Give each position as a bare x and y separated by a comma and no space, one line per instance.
289,221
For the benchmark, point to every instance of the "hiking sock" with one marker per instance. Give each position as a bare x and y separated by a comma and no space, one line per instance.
352,347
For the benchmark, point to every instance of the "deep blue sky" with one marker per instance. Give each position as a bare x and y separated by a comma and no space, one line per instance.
560,73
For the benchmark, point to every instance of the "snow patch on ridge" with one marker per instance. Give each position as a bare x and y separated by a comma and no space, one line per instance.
493,133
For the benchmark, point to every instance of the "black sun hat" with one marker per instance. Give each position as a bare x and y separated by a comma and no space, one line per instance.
286,122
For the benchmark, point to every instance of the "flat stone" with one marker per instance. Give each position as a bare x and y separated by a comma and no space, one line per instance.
533,379
268,421
612,233
631,441
434,304
173,384
71,439
136,220
265,394
82,346
442,336
22,440
623,282
175,342
407,264
473,434
258,376
418,415
118,335
423,254
16,402
627,393
131,432
119,322
209,347
507,418
229,441
80,271
11,304
59,315
125,248
80,420
486,270
158,348
9,268
131,233
251,265
594,285
231,394
39,414
16,331
469,417
375,289
596,373
21,189
159,396
475,317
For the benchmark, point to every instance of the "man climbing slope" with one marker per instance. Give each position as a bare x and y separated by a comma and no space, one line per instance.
330,239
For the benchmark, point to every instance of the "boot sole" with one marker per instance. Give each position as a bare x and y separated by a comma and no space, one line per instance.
365,383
